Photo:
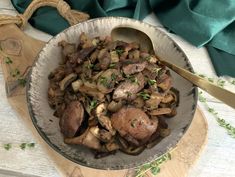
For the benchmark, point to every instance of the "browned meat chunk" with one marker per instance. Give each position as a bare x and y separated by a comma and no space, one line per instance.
72,119
128,89
134,68
133,122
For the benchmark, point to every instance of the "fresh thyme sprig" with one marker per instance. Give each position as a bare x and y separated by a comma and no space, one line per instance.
154,166
22,146
229,128
15,73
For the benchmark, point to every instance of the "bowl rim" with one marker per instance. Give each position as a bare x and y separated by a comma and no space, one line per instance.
119,167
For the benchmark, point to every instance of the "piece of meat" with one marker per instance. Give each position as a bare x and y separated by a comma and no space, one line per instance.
133,122
134,68
166,83
71,119
104,59
82,54
128,89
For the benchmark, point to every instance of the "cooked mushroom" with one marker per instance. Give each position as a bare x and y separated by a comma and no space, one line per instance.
67,80
160,111
86,139
154,101
166,83
114,57
133,122
112,146
104,59
72,119
134,68
91,92
76,85
82,54
138,102
115,106
103,119
68,48
111,95
134,54
128,89
106,80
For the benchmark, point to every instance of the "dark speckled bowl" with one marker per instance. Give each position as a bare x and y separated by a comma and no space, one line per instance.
41,113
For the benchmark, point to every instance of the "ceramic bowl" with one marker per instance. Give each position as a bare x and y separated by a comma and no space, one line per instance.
48,126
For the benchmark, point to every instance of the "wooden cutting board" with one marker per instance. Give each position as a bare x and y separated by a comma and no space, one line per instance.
22,51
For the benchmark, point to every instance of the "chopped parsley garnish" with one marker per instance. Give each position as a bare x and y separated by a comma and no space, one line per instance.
132,79
144,95
113,77
93,104
151,82
104,81
119,51
112,65
157,70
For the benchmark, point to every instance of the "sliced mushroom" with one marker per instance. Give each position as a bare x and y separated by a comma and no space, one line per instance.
138,102
82,54
71,119
154,101
134,68
133,122
85,41
133,150
68,48
115,106
76,85
101,110
86,139
105,135
94,92
134,54
67,80
160,111
114,57
165,132
94,55
104,59
103,119
128,89
58,74
112,146
107,80
166,83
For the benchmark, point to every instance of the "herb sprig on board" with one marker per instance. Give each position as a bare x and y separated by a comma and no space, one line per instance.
15,73
23,146
153,167
220,82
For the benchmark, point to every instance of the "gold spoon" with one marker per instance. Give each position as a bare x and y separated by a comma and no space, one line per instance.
129,34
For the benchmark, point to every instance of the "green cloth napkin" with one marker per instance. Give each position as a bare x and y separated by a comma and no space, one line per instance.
201,22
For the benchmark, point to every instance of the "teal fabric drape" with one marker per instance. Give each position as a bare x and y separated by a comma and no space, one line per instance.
201,22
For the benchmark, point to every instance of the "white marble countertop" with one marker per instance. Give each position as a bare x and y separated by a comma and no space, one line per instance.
217,159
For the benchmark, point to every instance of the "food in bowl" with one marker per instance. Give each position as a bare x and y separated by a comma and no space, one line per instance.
111,95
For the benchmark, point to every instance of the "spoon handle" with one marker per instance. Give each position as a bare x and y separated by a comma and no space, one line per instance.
224,95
